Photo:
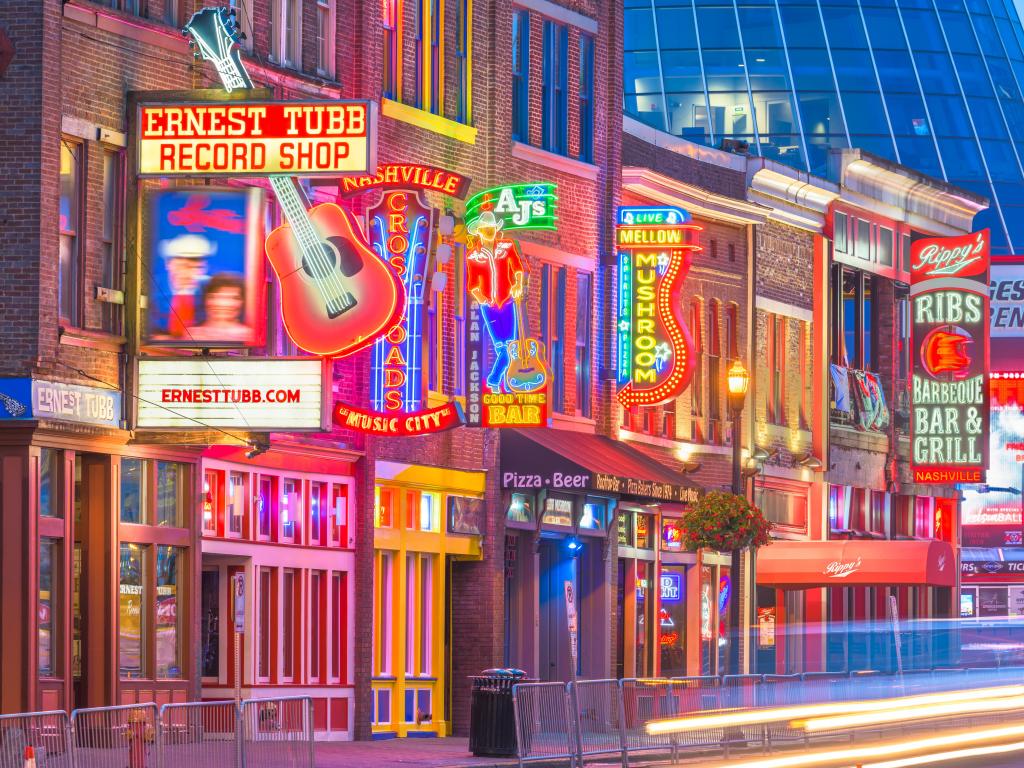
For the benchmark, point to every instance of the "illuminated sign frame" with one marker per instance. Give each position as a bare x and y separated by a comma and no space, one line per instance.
255,138
515,391
949,320
522,206
401,229
258,394
654,344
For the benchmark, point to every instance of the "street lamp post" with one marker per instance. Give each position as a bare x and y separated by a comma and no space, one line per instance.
738,379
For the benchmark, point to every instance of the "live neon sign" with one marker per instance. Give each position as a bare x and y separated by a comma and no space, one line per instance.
653,342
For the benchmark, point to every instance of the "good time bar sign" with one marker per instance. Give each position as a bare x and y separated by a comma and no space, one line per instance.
950,327
255,138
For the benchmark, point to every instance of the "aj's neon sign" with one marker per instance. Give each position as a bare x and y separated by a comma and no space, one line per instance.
654,344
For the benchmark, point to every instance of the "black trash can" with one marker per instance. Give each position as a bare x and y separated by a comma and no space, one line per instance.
492,721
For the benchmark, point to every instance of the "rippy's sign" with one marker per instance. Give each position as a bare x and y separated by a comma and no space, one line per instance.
654,345
949,306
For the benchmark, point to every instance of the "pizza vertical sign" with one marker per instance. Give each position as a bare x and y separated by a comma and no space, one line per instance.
655,245
950,329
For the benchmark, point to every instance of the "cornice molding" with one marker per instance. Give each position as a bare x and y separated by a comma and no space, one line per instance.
664,189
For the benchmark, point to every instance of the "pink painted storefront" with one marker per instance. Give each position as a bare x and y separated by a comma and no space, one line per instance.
285,520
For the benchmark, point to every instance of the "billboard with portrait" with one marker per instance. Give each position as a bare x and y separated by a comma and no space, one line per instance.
204,272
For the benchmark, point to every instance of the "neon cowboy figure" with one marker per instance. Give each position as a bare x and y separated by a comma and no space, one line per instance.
495,277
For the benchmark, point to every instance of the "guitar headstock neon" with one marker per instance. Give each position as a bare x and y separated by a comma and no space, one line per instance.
213,36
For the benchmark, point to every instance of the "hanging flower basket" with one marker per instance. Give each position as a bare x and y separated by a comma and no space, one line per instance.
724,522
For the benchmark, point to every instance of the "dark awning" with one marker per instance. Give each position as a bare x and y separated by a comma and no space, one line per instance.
559,459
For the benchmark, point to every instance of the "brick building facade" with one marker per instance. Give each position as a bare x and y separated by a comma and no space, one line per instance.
390,603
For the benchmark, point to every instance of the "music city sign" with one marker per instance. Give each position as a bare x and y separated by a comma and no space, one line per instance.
949,339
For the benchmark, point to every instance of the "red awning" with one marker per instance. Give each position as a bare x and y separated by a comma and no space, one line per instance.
805,564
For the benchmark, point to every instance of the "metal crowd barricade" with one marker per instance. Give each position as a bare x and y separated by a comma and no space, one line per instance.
598,715
780,691
200,733
48,733
739,692
544,722
277,733
694,695
116,737
643,700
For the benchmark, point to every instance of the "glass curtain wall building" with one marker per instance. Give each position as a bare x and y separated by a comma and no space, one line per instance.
932,84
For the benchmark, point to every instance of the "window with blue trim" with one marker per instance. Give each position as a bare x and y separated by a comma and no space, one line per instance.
554,115
521,75
436,74
389,87
462,95
419,52
586,98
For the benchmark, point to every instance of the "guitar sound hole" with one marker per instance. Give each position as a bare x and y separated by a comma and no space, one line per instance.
337,252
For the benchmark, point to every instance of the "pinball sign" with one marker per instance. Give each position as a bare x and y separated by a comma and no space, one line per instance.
255,138
655,245
949,336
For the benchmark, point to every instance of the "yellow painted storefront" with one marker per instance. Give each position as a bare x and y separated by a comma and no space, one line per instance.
415,535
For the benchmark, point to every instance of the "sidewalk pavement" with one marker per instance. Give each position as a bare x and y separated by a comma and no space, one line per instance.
451,752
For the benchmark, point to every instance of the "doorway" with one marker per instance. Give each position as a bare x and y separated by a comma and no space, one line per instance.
557,566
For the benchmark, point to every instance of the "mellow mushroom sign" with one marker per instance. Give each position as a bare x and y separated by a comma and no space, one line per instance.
949,331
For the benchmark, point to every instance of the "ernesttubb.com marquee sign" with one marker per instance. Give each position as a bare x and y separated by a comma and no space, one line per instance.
950,326
249,393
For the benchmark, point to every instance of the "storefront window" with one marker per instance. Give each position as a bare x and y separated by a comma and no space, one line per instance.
263,506
170,493
266,622
339,513
557,512
465,515
211,492
785,509
49,606
520,508
672,621
671,534
209,630
625,529
340,622
288,625
237,482
49,485
644,606
428,512
168,634
643,525
132,611
992,602
133,484
315,606
291,507
593,516
384,507
316,494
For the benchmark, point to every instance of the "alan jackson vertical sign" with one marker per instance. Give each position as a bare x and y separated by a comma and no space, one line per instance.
950,327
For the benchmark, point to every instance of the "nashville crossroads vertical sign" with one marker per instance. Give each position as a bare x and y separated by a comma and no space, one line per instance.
950,328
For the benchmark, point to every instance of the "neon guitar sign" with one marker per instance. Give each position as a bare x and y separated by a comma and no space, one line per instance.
337,297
